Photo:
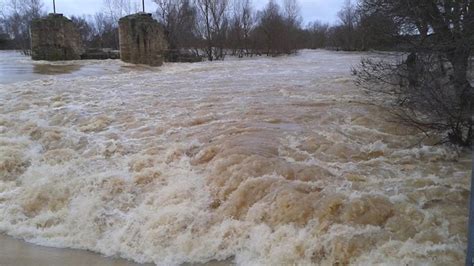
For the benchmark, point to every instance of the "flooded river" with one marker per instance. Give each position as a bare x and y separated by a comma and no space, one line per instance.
257,161
15,67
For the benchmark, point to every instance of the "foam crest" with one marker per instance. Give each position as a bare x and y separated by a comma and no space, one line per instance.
265,161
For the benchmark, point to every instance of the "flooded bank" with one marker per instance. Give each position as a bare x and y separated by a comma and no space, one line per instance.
266,161
17,252
16,67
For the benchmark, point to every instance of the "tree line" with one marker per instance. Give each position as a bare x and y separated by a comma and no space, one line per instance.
210,28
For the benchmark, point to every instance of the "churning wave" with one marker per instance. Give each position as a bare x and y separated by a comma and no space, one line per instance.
264,161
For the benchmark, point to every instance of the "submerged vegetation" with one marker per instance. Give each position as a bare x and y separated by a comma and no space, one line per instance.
213,28
430,85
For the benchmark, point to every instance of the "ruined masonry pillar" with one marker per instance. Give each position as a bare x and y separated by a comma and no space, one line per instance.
55,38
141,40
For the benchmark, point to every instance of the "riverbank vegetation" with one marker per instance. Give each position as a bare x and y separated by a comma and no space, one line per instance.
213,28
429,86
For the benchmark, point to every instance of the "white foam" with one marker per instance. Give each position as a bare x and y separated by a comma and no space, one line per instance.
265,161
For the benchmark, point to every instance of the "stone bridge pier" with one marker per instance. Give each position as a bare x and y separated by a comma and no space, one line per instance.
142,40
55,38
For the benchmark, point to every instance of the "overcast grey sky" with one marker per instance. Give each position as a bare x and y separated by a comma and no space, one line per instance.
323,10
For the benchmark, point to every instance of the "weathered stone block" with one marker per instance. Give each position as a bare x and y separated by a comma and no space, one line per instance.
142,40
55,38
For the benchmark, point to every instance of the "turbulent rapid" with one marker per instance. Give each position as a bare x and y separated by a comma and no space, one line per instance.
257,161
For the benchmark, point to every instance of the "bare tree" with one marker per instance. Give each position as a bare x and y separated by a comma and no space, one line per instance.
318,35
105,23
292,12
105,31
247,22
271,27
375,31
117,9
242,23
280,29
85,28
17,16
167,11
431,84
213,23
292,15
347,14
346,32
178,18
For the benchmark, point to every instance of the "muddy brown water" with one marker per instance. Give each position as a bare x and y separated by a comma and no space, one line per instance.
260,161
15,67
15,252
